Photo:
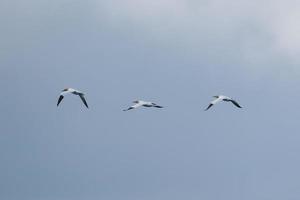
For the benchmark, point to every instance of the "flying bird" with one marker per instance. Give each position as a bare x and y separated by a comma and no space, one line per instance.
140,103
222,98
71,91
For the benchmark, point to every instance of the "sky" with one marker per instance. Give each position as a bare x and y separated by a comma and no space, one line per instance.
176,53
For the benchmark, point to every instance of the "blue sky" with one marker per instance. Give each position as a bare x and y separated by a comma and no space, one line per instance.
175,53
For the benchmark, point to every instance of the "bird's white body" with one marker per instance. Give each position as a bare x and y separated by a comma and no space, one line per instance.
144,103
220,98
68,91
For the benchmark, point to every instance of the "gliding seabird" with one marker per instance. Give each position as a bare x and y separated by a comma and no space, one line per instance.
140,103
222,98
71,91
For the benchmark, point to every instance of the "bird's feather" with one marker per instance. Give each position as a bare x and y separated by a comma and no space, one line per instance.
236,104
60,99
83,100
209,106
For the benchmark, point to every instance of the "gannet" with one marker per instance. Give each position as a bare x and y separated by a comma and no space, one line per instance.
222,98
71,91
140,103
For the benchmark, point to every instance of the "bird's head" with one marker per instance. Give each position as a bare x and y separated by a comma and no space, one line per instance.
136,101
216,96
66,89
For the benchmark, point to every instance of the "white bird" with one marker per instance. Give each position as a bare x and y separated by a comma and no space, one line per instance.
71,91
140,103
222,98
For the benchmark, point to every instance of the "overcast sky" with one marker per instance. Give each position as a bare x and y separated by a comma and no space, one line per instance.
177,53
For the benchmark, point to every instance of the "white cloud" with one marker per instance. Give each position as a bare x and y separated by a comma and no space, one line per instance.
283,21
254,27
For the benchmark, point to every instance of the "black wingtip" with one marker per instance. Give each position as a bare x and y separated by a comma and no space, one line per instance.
236,103
59,100
130,108
209,106
83,100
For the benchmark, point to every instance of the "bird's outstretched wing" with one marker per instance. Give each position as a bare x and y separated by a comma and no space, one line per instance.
130,108
209,106
83,100
134,106
217,100
60,99
235,103
156,106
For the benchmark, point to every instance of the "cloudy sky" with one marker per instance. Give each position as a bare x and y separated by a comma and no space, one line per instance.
177,53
